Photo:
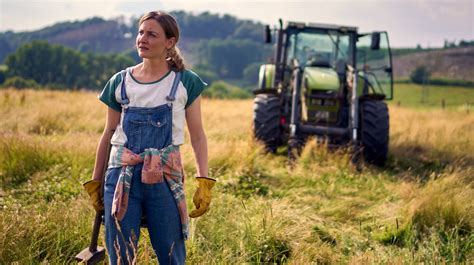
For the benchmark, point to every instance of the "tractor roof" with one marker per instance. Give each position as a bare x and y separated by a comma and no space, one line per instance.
301,25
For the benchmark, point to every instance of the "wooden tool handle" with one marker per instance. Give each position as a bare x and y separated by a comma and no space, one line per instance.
98,215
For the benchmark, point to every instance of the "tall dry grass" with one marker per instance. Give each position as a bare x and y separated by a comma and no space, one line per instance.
322,210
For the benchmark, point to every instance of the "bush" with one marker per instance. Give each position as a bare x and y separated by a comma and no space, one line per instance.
206,74
247,186
221,89
20,82
420,75
451,82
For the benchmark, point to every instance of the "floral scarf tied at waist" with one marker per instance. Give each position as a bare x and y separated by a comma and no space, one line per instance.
158,164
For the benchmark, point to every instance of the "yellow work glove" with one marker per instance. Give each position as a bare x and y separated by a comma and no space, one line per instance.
202,196
93,188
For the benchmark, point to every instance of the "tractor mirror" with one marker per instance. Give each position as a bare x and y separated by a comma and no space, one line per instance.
268,34
375,44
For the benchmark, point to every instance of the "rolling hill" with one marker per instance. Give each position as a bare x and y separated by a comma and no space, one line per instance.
452,63
113,36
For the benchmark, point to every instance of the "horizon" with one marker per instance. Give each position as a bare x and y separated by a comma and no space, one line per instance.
405,21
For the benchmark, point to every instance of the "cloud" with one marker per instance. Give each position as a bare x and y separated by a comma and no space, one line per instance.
138,8
22,15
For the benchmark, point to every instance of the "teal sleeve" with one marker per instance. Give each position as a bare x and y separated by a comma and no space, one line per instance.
108,94
193,84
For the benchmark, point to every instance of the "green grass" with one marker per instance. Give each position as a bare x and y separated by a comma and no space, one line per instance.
21,159
431,97
418,209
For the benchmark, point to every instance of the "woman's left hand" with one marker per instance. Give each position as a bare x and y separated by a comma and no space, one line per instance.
202,196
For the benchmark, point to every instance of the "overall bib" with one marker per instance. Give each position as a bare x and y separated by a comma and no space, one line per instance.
147,129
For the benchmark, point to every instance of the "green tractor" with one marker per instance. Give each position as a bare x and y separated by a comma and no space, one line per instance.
326,81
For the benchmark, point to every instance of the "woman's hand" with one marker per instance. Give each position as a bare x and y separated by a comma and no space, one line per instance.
202,197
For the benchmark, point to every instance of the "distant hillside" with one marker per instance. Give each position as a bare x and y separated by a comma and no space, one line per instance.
452,63
220,42
215,46
94,34
109,36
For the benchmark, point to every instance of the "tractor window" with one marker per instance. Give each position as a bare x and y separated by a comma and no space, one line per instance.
342,51
320,48
375,65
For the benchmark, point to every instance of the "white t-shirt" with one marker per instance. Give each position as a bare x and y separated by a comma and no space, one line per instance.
151,95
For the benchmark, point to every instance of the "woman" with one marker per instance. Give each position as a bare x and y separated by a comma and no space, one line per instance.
148,104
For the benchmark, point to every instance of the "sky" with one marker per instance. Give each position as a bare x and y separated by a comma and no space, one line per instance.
408,22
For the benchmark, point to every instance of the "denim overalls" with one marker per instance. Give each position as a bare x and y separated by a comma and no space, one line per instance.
145,128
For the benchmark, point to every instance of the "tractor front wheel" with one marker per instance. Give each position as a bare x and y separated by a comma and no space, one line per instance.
266,120
374,131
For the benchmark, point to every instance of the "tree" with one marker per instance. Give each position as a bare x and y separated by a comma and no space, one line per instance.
61,67
420,75
46,64
221,89
465,43
228,58
206,74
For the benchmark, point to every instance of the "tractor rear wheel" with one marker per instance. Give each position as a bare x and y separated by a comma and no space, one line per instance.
266,120
374,131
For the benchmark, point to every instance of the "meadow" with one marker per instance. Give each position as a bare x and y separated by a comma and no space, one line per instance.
417,209
432,97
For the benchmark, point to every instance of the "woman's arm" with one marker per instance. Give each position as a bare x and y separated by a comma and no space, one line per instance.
198,137
113,119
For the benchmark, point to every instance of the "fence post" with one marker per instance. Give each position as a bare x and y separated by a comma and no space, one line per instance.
442,103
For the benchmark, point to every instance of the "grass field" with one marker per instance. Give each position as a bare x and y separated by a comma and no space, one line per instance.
418,209
431,97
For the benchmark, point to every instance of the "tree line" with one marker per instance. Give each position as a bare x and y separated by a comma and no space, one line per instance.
220,47
49,65
54,66
40,64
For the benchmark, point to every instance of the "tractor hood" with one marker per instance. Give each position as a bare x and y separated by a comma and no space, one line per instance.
321,78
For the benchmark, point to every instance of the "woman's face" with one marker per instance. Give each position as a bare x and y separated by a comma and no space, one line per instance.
151,40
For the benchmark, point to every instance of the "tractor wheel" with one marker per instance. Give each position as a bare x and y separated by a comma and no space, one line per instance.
266,120
374,131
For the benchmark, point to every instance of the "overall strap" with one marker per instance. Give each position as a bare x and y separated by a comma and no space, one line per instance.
123,92
174,88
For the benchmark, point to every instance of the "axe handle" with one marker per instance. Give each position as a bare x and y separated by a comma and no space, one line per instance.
95,232
98,215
